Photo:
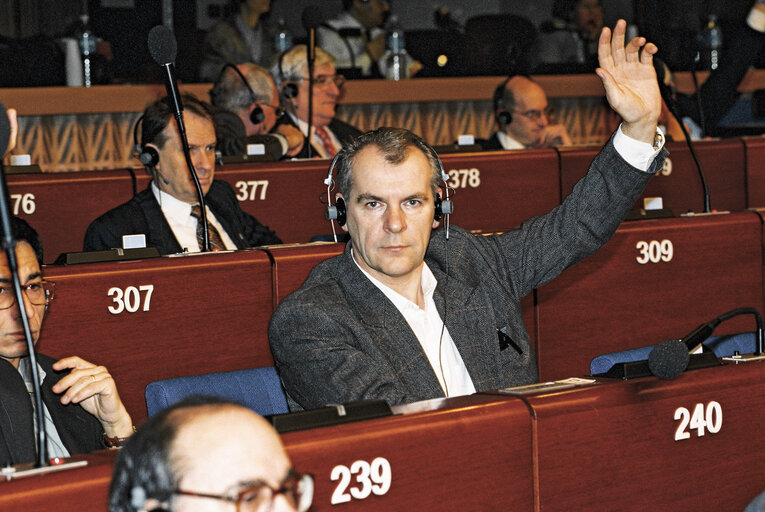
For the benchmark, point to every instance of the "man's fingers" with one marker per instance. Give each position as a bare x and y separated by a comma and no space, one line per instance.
617,41
604,49
646,56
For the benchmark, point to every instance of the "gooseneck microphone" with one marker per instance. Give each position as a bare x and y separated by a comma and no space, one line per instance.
163,49
670,358
669,99
311,18
9,246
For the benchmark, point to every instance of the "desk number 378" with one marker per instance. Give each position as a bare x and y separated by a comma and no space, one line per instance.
371,478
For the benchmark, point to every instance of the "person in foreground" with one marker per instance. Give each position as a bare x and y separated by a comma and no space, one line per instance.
83,411
201,453
405,314
167,212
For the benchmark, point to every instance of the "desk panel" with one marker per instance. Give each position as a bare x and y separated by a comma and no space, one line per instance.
469,453
497,191
292,264
612,446
84,489
679,184
60,207
755,171
611,301
161,318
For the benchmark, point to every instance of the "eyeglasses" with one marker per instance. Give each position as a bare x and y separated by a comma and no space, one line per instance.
38,293
536,115
258,496
322,81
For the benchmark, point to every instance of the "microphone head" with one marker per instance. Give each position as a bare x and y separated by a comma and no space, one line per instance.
5,130
668,359
312,17
162,45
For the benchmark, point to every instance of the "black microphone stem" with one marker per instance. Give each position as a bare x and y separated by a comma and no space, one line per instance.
311,56
9,246
673,110
172,91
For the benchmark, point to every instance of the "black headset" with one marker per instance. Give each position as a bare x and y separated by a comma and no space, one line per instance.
289,88
147,155
339,213
257,115
504,117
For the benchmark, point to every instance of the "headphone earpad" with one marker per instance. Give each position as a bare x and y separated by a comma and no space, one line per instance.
149,156
290,90
437,210
504,118
257,115
341,211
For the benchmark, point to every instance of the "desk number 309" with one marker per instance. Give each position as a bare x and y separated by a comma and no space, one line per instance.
371,478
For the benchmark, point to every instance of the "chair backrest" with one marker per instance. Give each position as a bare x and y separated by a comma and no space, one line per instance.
258,389
722,346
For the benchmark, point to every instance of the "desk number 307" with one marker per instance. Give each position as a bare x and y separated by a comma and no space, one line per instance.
371,478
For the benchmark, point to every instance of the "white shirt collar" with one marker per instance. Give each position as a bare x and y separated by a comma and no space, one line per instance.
508,142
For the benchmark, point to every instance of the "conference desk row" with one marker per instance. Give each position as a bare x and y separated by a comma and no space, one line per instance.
172,316
687,444
494,191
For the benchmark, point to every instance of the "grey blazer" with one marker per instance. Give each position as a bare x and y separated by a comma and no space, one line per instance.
339,339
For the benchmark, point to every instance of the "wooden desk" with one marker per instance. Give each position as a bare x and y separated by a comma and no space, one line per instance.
60,207
166,317
614,446
469,453
497,191
679,183
83,489
611,301
755,171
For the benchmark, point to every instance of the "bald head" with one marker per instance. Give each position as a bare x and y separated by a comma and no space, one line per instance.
204,446
526,102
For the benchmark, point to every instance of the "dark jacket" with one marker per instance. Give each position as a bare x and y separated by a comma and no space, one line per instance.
80,431
143,215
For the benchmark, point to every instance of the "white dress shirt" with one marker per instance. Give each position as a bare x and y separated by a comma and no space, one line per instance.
184,226
316,142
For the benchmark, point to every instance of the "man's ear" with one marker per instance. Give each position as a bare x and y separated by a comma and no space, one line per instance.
339,196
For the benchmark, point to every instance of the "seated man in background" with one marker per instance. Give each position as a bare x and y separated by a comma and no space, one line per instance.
521,111
204,451
409,312
167,212
571,41
356,38
327,133
82,409
244,109
245,36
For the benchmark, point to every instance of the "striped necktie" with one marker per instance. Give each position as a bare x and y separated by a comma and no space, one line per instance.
216,243
326,141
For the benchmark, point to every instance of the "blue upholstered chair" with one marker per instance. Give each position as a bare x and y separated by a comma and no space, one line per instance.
258,388
725,345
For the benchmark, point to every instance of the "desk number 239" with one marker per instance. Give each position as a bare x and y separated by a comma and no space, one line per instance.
371,478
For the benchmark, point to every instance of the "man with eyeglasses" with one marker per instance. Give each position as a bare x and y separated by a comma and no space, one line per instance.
251,108
205,453
523,116
327,133
83,411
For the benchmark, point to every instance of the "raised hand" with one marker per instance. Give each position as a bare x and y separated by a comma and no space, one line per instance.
629,78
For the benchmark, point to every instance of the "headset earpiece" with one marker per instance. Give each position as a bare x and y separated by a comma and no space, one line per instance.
257,115
149,156
289,90
337,212
504,118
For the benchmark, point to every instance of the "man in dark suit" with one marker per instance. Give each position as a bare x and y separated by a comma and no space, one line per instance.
410,312
164,212
291,73
83,411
